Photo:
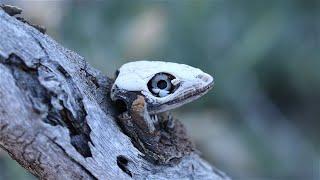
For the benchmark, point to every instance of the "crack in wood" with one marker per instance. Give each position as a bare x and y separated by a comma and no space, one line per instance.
71,158
122,162
41,99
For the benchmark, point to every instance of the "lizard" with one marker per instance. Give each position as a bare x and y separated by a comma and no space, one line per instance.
144,92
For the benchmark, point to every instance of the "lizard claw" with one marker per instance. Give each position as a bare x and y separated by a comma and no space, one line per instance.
170,123
154,118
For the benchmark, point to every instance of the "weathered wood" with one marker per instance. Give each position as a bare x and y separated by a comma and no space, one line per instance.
56,118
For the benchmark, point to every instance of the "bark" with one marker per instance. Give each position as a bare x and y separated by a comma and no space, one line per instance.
56,118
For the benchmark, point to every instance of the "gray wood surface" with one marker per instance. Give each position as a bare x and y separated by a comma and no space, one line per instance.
56,118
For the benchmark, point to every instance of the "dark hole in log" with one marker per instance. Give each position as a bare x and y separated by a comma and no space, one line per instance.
122,162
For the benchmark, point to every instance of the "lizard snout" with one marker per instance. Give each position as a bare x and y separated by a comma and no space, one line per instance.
205,78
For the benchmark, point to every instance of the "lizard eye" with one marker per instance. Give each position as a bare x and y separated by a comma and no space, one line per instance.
160,85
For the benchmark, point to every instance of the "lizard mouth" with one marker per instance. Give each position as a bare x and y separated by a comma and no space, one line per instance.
187,96
191,95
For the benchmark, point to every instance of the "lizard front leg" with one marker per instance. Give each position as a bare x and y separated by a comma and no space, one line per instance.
147,122
142,129
141,117
162,138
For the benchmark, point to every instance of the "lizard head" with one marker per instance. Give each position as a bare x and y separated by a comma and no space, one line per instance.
165,85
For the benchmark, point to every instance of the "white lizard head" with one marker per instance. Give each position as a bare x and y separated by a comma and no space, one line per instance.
165,85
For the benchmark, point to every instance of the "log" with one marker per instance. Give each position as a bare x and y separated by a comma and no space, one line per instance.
56,118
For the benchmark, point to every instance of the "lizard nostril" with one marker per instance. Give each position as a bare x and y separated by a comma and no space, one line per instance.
204,77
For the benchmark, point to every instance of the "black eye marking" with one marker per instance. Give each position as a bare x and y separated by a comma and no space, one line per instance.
160,84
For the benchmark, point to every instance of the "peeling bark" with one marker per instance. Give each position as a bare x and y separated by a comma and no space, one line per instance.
56,118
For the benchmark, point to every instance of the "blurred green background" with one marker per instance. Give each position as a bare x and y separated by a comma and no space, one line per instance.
262,119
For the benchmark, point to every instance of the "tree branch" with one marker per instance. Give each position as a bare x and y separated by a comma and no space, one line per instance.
56,118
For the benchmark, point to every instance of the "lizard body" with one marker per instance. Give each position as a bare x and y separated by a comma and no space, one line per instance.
146,90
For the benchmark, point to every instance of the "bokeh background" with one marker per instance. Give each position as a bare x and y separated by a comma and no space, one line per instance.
262,119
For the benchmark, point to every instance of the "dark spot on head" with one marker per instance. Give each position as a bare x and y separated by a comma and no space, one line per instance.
122,162
121,105
116,74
